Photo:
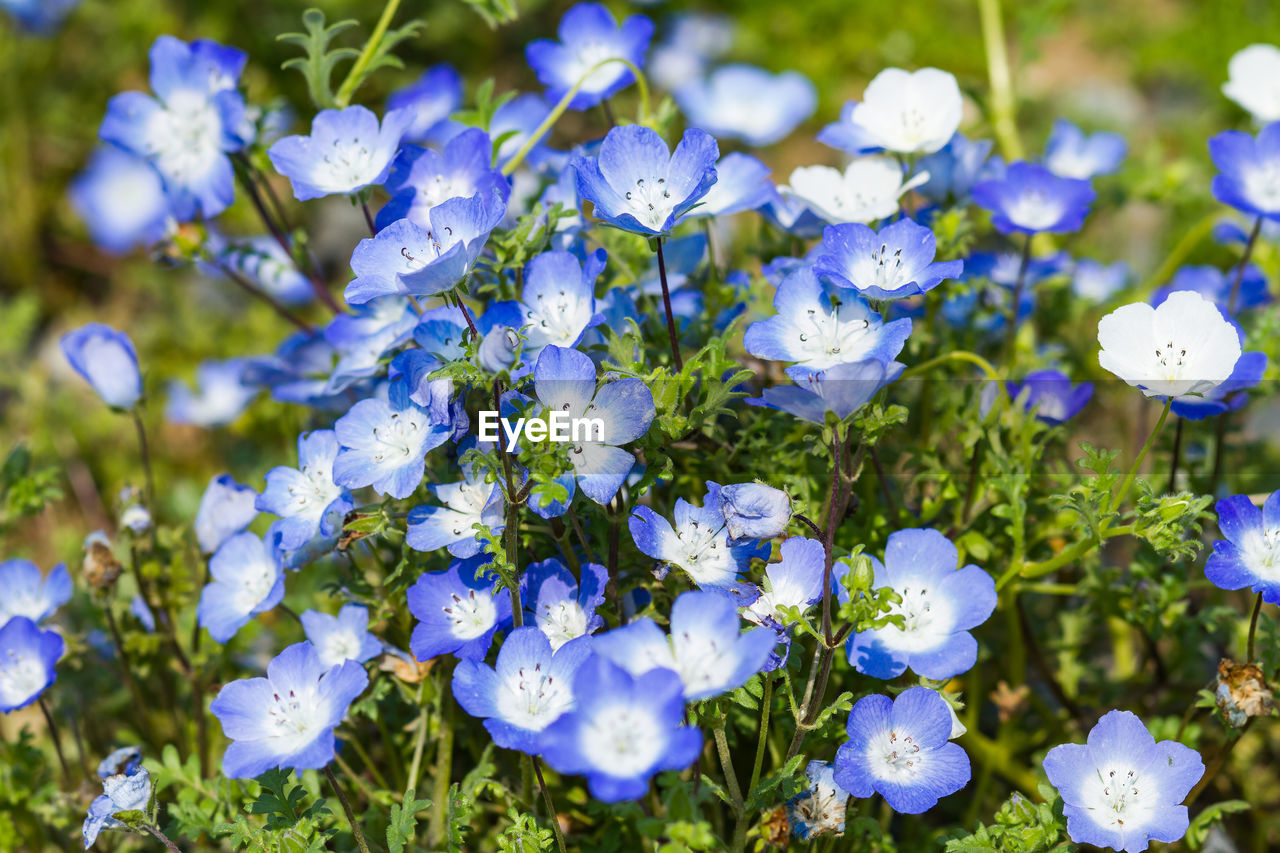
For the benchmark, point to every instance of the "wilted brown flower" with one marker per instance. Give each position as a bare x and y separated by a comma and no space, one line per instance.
1242,692
101,568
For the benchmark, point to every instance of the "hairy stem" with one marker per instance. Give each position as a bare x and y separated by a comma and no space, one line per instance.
1253,628
666,307
346,807
552,814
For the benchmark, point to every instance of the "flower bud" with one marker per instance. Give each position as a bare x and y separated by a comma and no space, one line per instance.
755,511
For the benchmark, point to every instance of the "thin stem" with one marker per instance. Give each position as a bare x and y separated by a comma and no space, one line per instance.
126,667
444,771
552,815
164,839
1253,628
368,219
56,737
666,307
805,520
419,745
144,450
1001,80
1176,456
346,807
766,703
726,766
1011,334
357,72
466,315
615,581
1127,484
1244,261
258,293
954,355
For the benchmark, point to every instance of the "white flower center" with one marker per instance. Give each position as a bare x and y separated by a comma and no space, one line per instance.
1115,799
587,56
623,740
927,620
533,699
704,552
184,137
1034,210
1262,552
340,646
895,756
256,581
557,320
319,490
348,163
296,718
650,201
21,675
1262,185
471,616
562,621
701,662
400,438
827,341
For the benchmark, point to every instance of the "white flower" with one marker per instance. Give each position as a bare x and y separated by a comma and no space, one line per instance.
1254,81
1185,346
909,112
867,190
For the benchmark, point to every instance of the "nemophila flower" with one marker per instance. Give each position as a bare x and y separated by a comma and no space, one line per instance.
457,613
29,592
466,503
384,443
939,606
1004,268
126,760
1185,346
27,659
1254,81
896,262
901,111
1072,153
748,103
792,215
590,35
557,304
1229,395
310,504
122,201
516,120
1250,554
900,749
248,579
298,372
421,178
698,542
226,508
265,263
637,184
107,361
136,519
138,607
1216,286
220,397
363,338
1248,176
190,125
430,100
346,151
440,332
1098,282
954,169
623,730
122,792
742,183
820,325
1030,199
38,16
565,382
529,688
842,389
286,719
561,607
425,259
819,809
867,190
1050,394
794,581
1122,789
691,41
754,511
341,638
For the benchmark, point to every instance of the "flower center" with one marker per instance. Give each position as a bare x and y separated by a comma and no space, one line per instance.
651,201
1034,210
471,616
349,163
534,699
828,341
1262,185
555,320
184,137
295,716
562,621
623,741
1117,799
400,438
21,675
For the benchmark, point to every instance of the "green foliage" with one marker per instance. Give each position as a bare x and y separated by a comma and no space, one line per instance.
402,828
495,12
25,489
1020,826
290,824
524,835
319,63
1170,523
1209,817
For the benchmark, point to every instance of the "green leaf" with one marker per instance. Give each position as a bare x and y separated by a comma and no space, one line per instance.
318,64
404,819
1198,832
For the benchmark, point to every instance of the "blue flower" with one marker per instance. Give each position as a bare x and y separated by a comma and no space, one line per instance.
384,443
692,41
310,504
39,16
27,659
819,809
1030,199
589,35
794,581
1098,282
122,201
1050,394
896,262
30,593
186,131
638,185
346,152
956,167
286,719
107,361
1247,170
819,326
742,183
457,613
530,688
1071,153
1216,286
1247,556
421,179
248,579
516,120
263,262
126,760
557,304
341,638
1229,395
562,608
841,390
939,606
900,749
748,103
430,100
423,260
624,730
364,337
225,508
1002,268
466,503
122,792
565,382
698,543
1122,789
221,396
754,511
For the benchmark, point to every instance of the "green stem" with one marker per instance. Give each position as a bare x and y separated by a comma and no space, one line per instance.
419,744
346,807
444,771
550,804
57,741
1011,334
766,702
1253,628
1003,116
356,74
954,355
1127,484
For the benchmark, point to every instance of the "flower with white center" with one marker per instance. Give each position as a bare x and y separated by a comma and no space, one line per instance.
466,503
1122,789
742,183
748,103
220,396
1254,81
1030,199
1248,176
558,604
842,389
384,443
107,361
589,36
623,730
30,593
819,326
342,637
248,579
896,262
363,338
754,511
557,304
121,198
529,689
793,582
1249,556
900,748
347,151
1050,394
819,809
1071,153
122,792
225,508
286,719
1185,346
432,99
27,659
637,184
457,613
939,606
1098,282
956,167
901,111
698,543
867,190
421,178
